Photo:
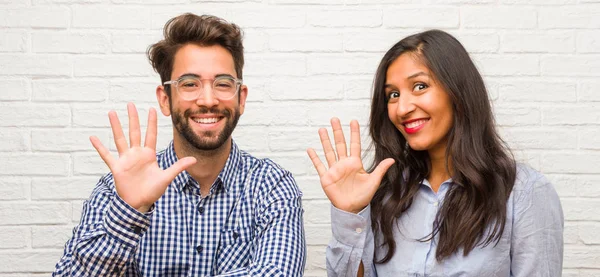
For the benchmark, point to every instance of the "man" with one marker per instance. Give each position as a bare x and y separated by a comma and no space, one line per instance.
201,207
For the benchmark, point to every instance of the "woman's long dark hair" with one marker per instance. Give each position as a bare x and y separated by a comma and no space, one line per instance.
483,169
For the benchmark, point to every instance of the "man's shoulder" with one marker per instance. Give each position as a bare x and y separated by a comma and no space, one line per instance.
264,166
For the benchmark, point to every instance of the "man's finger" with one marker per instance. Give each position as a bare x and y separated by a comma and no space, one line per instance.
117,130
135,135
103,152
151,132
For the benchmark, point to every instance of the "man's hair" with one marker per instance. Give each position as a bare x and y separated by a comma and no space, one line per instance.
204,30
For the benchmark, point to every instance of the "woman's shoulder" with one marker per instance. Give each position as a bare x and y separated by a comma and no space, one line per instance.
528,179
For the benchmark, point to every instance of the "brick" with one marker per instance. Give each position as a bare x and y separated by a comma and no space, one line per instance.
34,164
289,139
71,90
14,139
345,18
13,42
432,17
278,17
315,260
110,17
34,213
358,88
250,138
589,92
311,185
149,1
321,113
281,114
133,42
256,88
15,89
115,66
589,138
588,232
517,116
50,236
478,41
577,256
77,210
55,115
373,41
531,42
588,65
588,185
571,115
89,164
71,188
309,2
540,138
498,17
539,2
538,91
29,261
36,65
297,163
588,42
77,43
571,233
565,185
275,65
300,89
66,140
529,157
14,237
571,163
49,2
342,64
316,211
37,17
292,41
14,189
507,65
255,40
580,17
91,116
161,15
588,272
134,91
318,234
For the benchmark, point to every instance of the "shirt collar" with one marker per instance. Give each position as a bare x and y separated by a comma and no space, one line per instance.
226,177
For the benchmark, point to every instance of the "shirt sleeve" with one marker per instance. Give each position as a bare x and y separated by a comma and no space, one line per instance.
280,245
104,242
351,243
537,236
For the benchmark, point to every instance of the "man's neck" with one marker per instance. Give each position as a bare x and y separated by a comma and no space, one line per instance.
208,163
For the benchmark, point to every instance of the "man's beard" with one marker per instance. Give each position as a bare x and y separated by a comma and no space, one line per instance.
204,141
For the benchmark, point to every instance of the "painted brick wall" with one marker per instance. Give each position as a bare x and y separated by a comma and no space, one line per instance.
65,63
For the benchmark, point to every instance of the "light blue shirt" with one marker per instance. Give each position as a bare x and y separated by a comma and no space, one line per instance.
531,245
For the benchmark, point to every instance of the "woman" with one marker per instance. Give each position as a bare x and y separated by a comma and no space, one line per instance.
444,196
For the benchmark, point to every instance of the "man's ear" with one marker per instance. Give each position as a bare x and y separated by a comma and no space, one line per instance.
243,95
163,100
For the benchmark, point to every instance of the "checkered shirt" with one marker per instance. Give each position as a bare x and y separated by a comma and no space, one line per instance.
250,224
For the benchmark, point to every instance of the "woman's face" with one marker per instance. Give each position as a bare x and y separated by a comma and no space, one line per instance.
417,105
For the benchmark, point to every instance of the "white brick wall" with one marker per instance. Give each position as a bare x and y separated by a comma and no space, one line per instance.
65,63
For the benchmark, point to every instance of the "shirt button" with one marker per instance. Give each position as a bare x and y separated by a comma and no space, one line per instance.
199,249
359,230
201,210
436,203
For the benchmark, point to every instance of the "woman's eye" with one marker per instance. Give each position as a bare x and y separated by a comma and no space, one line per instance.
393,95
420,86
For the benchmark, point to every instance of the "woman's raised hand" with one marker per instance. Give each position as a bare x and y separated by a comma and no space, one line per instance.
138,178
346,183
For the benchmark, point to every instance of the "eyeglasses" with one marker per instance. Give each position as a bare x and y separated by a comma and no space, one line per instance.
190,87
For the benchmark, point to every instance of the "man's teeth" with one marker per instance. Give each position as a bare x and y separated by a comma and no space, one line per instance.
206,120
415,123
